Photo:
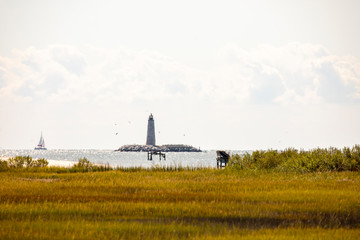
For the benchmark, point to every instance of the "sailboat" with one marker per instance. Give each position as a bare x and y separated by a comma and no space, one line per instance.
41,144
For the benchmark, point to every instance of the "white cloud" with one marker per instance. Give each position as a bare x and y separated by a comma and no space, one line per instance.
268,97
64,73
295,73
70,58
301,73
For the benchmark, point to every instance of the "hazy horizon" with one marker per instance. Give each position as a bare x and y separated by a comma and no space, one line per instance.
237,75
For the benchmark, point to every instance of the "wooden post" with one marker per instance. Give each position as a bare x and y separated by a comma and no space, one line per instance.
161,155
149,154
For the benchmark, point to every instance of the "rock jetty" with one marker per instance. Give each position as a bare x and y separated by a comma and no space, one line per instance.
162,148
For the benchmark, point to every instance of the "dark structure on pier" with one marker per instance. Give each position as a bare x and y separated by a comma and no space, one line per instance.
222,159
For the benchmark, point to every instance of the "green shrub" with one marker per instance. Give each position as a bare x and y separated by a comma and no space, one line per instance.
319,159
269,159
18,161
237,161
83,165
24,161
3,165
42,162
355,158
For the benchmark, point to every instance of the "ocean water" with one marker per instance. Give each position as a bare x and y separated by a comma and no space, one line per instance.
122,159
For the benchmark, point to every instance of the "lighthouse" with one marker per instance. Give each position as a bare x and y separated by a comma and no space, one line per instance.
150,146
150,139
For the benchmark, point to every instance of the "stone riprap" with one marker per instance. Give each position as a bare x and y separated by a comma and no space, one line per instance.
163,148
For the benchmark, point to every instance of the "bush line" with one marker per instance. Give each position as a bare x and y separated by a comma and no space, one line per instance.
315,160
26,163
23,162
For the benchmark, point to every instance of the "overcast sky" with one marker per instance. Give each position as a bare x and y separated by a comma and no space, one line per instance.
237,75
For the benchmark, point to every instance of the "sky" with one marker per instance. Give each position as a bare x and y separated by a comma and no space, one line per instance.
234,75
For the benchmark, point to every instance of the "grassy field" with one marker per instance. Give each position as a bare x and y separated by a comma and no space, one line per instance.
201,204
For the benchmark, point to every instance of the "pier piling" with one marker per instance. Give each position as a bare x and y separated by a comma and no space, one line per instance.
151,153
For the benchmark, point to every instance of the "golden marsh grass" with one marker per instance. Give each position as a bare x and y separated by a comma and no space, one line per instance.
202,204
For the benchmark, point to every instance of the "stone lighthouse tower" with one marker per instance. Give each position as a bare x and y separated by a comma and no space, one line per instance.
150,139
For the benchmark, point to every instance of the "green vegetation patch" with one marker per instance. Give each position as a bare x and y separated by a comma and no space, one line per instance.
316,160
22,162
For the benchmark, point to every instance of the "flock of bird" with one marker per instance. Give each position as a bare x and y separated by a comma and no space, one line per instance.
129,122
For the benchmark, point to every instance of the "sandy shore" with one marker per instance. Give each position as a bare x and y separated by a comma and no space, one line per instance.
60,163
53,163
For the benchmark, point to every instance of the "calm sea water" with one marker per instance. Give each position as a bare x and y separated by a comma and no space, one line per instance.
123,159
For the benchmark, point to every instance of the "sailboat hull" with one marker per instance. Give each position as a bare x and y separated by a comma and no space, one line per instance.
40,148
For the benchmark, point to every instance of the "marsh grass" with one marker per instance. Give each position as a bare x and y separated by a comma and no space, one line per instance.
315,160
173,203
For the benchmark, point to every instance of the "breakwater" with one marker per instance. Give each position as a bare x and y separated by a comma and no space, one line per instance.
162,148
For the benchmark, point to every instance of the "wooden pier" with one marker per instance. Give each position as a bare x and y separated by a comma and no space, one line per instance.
151,153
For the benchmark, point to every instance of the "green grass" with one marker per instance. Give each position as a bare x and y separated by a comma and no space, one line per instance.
51,203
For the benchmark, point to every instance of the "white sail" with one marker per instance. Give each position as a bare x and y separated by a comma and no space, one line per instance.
41,144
